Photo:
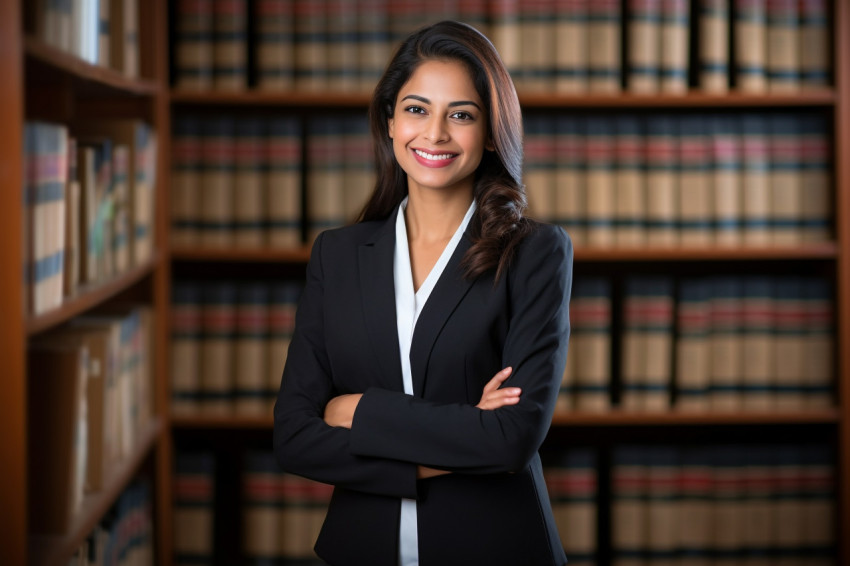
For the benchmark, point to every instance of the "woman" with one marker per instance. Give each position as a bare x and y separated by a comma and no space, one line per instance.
432,334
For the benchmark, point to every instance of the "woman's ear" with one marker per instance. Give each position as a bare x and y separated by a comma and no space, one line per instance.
489,145
390,124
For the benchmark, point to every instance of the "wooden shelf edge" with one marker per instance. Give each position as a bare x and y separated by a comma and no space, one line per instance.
301,254
89,297
692,99
57,550
612,418
72,65
616,417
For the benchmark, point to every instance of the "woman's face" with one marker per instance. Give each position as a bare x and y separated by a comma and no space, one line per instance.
439,128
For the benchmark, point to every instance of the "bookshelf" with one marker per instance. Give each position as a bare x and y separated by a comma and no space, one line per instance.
832,257
43,82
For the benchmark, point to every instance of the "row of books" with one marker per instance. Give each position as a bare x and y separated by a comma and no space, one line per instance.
125,536
547,45
725,504
572,481
720,343
89,199
229,342
238,182
90,397
100,32
698,180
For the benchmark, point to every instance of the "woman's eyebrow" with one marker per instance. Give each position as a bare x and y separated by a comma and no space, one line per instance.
451,104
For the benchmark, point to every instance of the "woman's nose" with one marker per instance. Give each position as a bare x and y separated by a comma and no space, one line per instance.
436,131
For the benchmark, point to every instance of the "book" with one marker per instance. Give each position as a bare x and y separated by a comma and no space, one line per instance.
186,174
217,196
124,36
570,195
325,176
539,166
696,208
73,224
194,45
789,343
600,179
714,46
750,45
248,183
284,302
194,508
814,35
662,501
757,321
675,41
693,345
694,497
571,46
728,503
591,321
506,33
45,179
342,45
643,29
786,191
359,182
311,54
57,434
816,206
537,45
373,41
630,191
755,180
726,345
819,342
629,507
605,66
283,182
250,349
726,185
571,481
274,44
661,181
262,501
783,46
230,45
186,340
218,317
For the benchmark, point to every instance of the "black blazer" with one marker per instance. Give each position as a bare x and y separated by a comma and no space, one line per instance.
494,509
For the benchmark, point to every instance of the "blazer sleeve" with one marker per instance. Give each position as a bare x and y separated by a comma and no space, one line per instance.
303,443
461,437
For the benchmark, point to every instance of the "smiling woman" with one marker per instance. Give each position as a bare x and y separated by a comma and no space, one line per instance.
432,335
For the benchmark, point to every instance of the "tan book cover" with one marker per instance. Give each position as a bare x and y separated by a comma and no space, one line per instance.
283,183
248,184
644,46
274,44
230,47
714,46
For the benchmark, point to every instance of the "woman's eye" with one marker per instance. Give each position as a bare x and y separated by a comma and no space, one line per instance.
415,110
462,116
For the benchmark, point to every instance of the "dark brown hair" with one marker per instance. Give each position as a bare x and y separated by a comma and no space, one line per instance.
498,224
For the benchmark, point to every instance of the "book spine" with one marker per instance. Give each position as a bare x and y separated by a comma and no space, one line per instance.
693,346
695,495
657,306
539,174
819,350
695,199
103,227
573,492
814,44
195,45
604,43
592,344
634,346
750,45
186,340
662,496
727,190
194,507
600,181
728,499
757,342
130,38
726,345
815,164
537,45
103,33
755,180
121,241
248,210
714,46
571,46
274,44
786,191
311,57
789,343
284,301
373,45
73,219
474,13
187,167
790,503
262,504
251,343
675,38
757,468
630,191
360,179
644,40
661,181
783,46
342,45
217,347
819,491
570,191
217,199
230,47
325,177
144,192
283,182
629,507
507,37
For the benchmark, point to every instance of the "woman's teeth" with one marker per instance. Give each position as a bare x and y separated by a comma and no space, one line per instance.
440,157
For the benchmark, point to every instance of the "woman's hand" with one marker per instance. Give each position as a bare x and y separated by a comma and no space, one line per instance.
340,410
493,398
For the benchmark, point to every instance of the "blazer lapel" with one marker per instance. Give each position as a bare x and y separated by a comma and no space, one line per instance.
378,296
447,293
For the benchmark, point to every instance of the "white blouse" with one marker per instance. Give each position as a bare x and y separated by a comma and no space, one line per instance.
408,305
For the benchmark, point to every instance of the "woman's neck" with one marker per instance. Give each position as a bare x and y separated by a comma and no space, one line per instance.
433,216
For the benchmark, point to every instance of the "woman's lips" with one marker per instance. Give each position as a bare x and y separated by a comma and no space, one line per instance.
429,159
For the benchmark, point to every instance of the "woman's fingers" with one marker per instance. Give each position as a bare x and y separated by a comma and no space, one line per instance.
497,380
493,398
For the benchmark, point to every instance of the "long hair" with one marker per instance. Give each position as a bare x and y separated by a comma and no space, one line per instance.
498,224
